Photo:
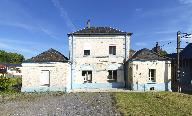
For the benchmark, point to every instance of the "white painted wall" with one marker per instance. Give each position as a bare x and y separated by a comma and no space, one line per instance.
59,73
99,60
163,71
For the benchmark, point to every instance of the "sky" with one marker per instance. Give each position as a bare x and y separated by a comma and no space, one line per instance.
30,27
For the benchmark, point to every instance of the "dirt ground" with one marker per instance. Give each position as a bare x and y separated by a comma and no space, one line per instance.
57,104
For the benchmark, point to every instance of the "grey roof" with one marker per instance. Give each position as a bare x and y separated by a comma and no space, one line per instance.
50,55
146,54
186,53
99,31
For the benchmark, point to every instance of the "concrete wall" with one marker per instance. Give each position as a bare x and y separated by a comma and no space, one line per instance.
99,61
59,77
139,75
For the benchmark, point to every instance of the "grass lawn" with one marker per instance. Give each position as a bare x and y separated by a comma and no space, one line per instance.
153,103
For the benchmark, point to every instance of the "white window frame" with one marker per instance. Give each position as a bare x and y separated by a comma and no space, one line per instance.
113,78
114,50
43,79
86,77
152,78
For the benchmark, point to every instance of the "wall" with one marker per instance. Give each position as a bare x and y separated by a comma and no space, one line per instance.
99,60
139,78
59,77
186,75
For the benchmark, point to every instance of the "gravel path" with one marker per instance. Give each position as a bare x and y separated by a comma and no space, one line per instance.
94,104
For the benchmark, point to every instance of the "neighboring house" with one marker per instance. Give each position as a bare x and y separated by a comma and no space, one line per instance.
186,69
3,69
149,71
98,55
14,70
48,71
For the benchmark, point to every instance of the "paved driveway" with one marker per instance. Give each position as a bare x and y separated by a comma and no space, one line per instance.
95,104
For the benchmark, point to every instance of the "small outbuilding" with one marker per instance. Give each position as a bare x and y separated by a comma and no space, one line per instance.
149,71
48,71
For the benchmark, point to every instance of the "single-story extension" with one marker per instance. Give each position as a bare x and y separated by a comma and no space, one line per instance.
48,71
149,71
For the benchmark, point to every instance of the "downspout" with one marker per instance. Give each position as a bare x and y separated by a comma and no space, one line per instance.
125,63
72,62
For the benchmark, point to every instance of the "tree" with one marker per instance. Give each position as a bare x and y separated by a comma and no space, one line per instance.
9,57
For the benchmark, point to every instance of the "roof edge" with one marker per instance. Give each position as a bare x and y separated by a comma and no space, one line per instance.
126,33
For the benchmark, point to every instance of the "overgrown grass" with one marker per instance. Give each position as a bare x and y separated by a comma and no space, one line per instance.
153,103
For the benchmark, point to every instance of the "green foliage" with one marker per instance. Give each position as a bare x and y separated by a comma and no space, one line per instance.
12,58
5,83
163,53
10,84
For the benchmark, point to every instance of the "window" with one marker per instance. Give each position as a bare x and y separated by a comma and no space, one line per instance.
112,50
86,52
45,78
137,67
87,76
112,76
152,88
152,74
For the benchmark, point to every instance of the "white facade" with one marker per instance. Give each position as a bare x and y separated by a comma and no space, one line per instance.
149,75
99,61
52,76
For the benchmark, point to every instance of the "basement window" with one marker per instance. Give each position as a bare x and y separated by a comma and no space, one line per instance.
152,75
86,52
112,76
87,75
152,88
112,50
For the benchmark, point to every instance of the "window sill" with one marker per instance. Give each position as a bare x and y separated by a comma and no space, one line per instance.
151,82
111,80
86,55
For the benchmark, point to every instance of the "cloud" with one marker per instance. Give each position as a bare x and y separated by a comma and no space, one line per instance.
165,32
186,1
141,44
138,9
48,32
64,14
17,24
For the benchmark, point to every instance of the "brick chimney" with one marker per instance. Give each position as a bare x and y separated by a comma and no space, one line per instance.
157,48
88,24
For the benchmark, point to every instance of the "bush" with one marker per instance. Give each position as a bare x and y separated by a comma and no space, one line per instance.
5,83
10,83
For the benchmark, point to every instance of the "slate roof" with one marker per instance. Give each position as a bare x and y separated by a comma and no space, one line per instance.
131,53
186,53
146,54
50,55
99,31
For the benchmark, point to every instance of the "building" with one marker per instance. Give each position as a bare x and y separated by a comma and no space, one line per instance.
48,71
149,71
98,55
14,70
186,69
3,69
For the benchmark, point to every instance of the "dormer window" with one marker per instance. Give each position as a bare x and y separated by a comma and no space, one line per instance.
86,52
112,50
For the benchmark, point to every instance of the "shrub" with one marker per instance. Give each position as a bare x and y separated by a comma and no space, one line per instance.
5,83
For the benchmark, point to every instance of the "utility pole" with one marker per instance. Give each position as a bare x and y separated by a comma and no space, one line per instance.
178,59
